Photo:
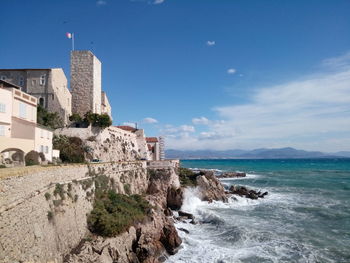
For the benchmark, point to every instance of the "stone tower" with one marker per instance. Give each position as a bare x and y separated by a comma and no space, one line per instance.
85,82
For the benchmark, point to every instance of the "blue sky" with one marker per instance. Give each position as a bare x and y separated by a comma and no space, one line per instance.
207,74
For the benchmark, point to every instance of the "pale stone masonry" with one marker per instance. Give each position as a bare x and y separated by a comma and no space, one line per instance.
48,85
85,82
105,106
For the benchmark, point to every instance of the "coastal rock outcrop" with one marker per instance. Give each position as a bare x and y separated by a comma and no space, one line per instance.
231,175
243,191
210,188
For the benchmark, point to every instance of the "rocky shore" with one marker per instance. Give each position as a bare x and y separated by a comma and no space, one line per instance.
156,238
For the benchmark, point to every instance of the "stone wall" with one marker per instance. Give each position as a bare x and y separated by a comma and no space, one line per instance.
43,209
110,144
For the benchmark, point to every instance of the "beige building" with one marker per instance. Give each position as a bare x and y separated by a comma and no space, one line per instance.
19,133
153,147
49,86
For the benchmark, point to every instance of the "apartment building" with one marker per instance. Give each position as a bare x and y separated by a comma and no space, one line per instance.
19,132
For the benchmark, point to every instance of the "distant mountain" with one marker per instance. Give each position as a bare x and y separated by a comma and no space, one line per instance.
343,153
288,153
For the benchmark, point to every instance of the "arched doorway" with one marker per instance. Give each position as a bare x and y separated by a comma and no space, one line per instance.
12,157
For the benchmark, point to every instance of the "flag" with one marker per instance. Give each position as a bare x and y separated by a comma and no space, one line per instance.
69,35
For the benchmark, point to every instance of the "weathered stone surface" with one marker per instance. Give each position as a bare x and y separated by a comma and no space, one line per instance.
175,198
210,188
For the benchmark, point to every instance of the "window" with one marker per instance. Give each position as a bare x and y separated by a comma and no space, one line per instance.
2,130
3,78
42,80
22,110
41,102
21,81
53,96
33,82
41,148
2,107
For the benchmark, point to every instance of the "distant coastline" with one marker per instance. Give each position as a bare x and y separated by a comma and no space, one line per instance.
280,153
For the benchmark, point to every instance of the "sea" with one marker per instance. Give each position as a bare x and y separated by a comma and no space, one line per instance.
304,218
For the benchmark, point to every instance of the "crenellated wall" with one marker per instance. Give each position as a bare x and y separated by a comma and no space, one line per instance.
43,209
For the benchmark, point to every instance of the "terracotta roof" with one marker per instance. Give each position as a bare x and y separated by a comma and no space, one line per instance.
151,139
127,128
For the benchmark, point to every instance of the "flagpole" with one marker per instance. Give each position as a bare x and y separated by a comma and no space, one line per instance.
73,41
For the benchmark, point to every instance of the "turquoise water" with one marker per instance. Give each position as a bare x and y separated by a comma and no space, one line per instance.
305,217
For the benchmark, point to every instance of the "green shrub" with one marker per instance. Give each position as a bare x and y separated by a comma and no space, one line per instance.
114,213
48,119
47,196
49,215
71,148
2,166
32,158
187,177
59,191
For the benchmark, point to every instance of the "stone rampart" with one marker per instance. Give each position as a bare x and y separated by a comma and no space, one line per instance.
43,209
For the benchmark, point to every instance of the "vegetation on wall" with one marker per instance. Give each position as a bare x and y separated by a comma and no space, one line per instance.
94,119
71,148
32,158
187,177
114,213
48,119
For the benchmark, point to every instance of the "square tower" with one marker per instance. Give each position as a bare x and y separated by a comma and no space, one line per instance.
85,82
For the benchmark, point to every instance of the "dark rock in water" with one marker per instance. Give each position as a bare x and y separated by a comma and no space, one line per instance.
243,191
174,198
184,230
186,215
232,175
194,222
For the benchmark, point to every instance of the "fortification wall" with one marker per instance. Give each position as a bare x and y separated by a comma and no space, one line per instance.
43,209
110,144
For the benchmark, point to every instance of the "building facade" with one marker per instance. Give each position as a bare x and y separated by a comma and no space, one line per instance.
49,86
153,147
85,82
19,132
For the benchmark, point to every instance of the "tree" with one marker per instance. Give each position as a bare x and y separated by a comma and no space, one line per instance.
48,119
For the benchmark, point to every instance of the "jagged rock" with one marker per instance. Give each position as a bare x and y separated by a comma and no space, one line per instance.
211,188
168,212
232,175
184,230
170,239
174,198
186,215
243,191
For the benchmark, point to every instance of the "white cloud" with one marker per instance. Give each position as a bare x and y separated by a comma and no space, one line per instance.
101,2
149,120
173,130
157,2
211,43
231,71
201,120
311,113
